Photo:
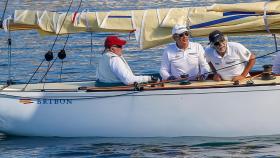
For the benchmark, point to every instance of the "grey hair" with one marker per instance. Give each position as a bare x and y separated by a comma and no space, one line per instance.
212,44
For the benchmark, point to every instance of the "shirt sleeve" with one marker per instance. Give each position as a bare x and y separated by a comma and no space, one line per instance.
244,53
207,52
204,66
165,66
124,73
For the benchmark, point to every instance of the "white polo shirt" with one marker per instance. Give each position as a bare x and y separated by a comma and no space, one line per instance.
114,69
236,53
177,62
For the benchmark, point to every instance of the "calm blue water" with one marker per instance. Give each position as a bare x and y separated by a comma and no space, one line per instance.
29,49
259,147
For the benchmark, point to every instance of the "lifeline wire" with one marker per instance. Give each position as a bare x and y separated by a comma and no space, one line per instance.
75,97
239,63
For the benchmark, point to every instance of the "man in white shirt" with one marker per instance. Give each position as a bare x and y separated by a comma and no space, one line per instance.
113,68
228,60
183,57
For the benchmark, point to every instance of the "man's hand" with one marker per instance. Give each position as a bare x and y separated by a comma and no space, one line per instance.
238,78
154,79
200,77
171,78
217,77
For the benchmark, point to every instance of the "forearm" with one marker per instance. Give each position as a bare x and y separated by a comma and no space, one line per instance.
249,66
213,69
165,67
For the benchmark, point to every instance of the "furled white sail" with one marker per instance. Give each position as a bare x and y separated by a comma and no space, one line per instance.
152,27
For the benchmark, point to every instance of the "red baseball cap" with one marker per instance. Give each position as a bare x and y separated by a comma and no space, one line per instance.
113,40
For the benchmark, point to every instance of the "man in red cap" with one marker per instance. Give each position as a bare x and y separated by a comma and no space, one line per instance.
113,68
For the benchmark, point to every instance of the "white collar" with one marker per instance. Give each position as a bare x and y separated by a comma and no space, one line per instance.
179,49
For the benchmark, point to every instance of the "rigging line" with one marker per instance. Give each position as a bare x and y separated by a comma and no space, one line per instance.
33,75
51,48
57,38
76,12
48,70
80,4
45,78
60,77
241,62
91,48
9,47
3,15
9,81
68,35
275,42
62,24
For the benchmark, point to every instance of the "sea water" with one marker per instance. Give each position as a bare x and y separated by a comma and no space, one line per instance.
83,51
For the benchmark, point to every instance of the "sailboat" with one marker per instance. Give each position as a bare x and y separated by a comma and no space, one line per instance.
163,109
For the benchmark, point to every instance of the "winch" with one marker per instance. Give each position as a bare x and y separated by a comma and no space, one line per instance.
267,73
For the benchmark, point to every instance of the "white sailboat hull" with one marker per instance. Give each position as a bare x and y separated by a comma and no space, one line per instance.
240,111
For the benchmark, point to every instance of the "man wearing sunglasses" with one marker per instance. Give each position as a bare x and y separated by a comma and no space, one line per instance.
228,60
183,57
113,68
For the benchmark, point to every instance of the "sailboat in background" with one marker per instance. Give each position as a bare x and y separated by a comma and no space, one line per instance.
167,108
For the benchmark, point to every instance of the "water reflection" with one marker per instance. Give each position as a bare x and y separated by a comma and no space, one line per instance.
141,147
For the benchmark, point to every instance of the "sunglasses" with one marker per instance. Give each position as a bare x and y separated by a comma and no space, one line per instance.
219,43
183,34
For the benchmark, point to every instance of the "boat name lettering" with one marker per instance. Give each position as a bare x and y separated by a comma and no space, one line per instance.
54,101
